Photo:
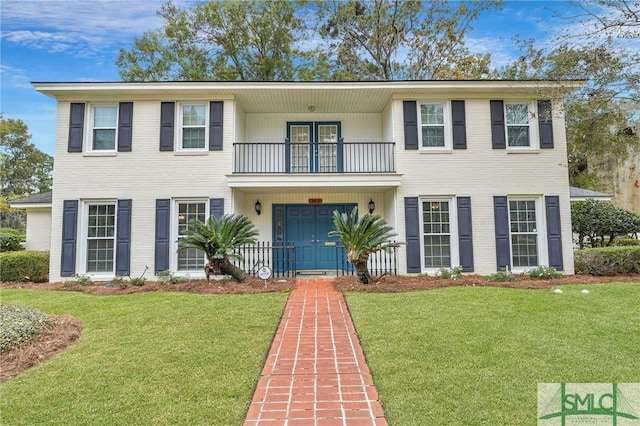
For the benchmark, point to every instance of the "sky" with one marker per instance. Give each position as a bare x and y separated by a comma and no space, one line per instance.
79,41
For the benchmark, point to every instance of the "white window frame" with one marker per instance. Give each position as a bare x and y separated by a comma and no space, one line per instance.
89,147
453,232
180,127
541,233
448,133
197,273
82,266
534,140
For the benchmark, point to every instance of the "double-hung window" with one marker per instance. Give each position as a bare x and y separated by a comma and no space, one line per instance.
439,235
193,126
104,124
187,212
435,125
519,119
523,221
100,237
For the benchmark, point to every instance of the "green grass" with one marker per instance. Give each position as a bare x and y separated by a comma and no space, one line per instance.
474,355
154,358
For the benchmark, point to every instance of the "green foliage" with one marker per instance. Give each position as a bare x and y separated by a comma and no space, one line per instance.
168,277
10,239
450,273
27,265
622,242
361,237
19,326
607,261
502,276
598,223
544,272
79,279
218,239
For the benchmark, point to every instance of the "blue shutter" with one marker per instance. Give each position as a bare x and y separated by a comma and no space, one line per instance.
69,233
458,122
545,124
554,234
123,238
465,234
498,138
76,127
167,117
125,119
501,218
216,207
163,232
412,227
410,124
216,116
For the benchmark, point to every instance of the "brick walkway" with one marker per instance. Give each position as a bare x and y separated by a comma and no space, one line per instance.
315,373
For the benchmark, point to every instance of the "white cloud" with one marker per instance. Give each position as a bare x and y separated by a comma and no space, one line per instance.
14,77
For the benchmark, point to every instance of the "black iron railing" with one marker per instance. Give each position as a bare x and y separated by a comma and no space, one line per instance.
380,263
335,157
280,257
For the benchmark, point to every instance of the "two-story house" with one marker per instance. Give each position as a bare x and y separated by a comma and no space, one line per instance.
470,173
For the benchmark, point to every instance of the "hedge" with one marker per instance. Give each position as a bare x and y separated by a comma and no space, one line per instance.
10,239
27,265
608,261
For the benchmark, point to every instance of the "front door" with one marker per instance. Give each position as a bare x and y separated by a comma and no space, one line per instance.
313,147
306,226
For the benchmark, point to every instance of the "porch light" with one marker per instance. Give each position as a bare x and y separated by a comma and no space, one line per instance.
258,207
372,206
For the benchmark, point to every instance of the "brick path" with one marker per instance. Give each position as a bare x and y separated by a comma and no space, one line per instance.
315,373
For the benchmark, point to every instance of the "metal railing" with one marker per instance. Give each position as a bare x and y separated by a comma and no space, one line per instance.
280,257
380,263
333,157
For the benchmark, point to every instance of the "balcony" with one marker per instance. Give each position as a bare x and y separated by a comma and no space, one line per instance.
321,157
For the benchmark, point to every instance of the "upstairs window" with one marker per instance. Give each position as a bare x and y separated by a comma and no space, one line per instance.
193,126
104,124
434,125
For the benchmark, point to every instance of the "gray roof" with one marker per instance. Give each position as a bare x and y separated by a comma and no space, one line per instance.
43,198
586,193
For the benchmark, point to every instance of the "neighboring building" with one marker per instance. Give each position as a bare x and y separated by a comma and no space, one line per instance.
470,173
38,209
579,194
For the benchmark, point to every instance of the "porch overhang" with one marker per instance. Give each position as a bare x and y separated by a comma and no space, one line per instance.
314,182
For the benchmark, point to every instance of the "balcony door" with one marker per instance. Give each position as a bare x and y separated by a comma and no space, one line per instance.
314,147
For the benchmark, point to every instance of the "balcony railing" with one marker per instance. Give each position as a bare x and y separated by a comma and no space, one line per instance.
334,157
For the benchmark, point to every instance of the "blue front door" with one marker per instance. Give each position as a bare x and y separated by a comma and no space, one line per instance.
307,226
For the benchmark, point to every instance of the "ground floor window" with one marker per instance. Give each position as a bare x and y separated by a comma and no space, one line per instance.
438,234
100,231
187,212
523,221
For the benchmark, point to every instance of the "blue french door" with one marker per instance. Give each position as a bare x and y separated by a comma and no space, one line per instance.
307,226
314,147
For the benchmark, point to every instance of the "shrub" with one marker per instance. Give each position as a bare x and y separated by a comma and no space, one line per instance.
598,223
502,276
78,280
27,265
608,261
20,325
622,242
167,277
449,273
10,239
544,272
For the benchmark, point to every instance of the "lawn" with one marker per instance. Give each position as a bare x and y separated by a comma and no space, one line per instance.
474,355
151,358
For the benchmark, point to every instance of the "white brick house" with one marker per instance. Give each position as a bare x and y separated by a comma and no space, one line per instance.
470,173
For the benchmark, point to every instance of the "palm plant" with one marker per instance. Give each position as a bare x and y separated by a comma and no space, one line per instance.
361,237
218,239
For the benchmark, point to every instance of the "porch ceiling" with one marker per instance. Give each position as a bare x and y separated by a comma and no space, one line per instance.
304,183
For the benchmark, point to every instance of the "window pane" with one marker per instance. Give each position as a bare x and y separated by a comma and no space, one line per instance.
190,260
193,115
524,246
432,113
104,139
518,135
193,138
105,117
525,250
517,113
433,136
100,255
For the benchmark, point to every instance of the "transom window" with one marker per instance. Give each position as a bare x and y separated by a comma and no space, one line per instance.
524,233
434,125
188,211
104,126
518,120
437,234
193,126
101,226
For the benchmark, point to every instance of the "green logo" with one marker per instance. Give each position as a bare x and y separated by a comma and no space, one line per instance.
614,404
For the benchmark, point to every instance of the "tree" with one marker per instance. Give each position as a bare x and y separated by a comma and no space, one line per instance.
361,237
217,40
218,239
24,169
598,223
394,39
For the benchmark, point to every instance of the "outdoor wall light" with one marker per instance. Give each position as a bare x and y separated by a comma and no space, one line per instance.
372,206
258,207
